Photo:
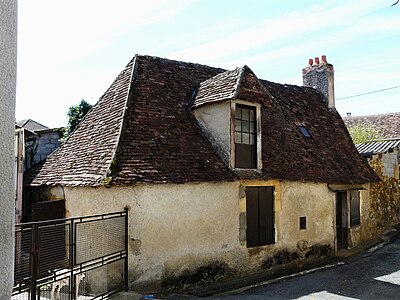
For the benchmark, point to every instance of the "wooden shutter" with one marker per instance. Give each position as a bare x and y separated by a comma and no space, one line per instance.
260,216
354,208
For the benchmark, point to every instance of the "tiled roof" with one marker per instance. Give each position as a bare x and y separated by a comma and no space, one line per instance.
375,147
387,125
86,157
220,87
329,156
31,125
228,85
141,131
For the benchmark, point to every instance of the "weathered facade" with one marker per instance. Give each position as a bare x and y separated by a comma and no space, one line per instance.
8,77
223,173
175,229
384,208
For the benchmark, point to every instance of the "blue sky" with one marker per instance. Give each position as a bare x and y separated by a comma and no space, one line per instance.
73,50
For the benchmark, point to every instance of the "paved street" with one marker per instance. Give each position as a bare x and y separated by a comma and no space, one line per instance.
371,276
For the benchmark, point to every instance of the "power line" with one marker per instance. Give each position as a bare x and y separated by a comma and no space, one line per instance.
372,92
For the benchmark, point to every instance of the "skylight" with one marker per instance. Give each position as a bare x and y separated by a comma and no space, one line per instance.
305,131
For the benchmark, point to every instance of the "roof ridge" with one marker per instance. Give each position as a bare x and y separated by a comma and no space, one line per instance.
376,115
239,81
381,140
133,73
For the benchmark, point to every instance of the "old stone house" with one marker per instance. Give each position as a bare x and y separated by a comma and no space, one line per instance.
222,172
383,156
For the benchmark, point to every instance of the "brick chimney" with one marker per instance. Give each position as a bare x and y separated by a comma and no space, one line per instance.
319,75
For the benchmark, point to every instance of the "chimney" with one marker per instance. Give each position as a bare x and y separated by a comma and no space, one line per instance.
319,75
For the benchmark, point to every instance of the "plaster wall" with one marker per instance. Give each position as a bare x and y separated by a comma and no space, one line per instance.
171,227
215,121
313,201
174,228
8,72
365,231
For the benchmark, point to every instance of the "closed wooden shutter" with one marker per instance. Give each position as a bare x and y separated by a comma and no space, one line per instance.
354,208
260,216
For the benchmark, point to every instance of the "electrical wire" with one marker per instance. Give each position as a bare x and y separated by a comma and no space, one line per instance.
367,93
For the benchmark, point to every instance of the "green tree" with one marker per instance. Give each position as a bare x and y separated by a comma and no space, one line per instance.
75,115
362,134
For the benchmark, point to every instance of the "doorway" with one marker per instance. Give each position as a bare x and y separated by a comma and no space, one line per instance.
341,220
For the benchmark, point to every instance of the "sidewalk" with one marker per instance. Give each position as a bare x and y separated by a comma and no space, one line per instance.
244,283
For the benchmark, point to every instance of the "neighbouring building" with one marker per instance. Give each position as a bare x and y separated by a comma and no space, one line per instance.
8,77
33,143
386,125
223,173
383,156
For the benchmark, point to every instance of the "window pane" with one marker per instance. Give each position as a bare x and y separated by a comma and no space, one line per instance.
245,138
238,113
252,117
245,126
252,139
238,126
305,131
238,139
252,127
245,114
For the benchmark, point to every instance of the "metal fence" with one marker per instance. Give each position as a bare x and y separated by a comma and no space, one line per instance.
74,258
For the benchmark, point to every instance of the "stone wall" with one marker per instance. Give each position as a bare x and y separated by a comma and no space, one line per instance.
385,195
8,73
47,143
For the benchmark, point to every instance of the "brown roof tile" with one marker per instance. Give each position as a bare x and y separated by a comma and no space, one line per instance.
161,141
85,158
387,125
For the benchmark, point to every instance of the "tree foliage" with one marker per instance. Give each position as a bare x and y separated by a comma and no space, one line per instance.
75,115
362,134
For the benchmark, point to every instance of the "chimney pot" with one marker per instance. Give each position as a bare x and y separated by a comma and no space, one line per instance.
310,61
320,76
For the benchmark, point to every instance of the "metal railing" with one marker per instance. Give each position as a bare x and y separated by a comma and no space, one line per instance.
83,257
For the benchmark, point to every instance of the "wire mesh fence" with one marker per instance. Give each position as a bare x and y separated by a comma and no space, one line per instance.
75,258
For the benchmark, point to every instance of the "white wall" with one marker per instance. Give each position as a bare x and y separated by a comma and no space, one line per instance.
215,119
178,227
313,201
8,70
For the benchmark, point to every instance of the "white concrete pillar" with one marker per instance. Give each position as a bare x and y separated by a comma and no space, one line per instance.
8,75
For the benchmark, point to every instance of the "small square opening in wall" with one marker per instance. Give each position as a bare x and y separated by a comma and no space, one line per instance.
303,223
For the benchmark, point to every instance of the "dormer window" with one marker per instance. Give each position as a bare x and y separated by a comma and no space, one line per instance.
245,137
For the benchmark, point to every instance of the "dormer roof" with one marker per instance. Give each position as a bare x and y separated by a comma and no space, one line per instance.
240,83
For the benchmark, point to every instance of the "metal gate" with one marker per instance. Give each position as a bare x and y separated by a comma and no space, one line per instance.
74,258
